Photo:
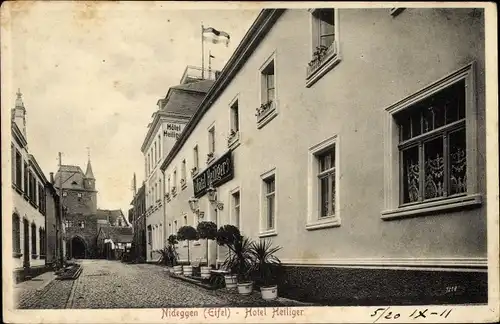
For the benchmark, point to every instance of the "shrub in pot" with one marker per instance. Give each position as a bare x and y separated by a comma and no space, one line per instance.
207,231
187,233
239,261
266,268
226,236
174,256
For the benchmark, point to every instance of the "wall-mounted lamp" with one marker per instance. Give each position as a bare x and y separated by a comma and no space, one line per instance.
212,197
194,205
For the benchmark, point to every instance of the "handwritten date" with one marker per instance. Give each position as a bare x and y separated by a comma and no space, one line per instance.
386,313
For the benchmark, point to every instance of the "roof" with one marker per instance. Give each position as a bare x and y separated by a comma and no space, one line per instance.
71,177
37,169
118,234
112,215
89,174
255,34
181,101
200,86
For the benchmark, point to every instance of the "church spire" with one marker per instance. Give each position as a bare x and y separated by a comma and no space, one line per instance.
89,174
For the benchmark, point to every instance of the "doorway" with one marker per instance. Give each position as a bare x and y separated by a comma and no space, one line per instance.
78,250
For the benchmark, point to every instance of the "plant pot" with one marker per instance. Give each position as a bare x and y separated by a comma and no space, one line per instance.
269,293
205,272
178,270
187,270
245,288
231,281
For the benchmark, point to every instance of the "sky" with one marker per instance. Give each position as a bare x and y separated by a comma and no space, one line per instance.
91,76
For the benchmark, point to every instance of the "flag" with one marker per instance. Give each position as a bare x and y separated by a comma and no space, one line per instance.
211,56
215,36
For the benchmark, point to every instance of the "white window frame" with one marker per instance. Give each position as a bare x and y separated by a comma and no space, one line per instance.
314,219
183,174
211,141
473,197
233,141
196,160
332,58
174,183
272,111
264,231
232,206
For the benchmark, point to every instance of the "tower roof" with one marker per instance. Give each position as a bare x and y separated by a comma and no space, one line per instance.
89,174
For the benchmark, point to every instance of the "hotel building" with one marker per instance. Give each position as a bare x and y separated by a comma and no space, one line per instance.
355,140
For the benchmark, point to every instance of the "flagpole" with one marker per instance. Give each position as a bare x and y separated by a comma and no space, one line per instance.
202,54
209,63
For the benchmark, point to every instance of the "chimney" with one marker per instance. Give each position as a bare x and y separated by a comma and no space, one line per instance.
52,177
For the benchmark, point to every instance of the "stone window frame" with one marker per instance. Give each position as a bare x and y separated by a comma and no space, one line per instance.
212,142
333,56
233,140
264,231
473,198
314,221
265,117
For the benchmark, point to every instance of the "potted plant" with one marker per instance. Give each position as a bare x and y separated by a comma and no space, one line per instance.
239,261
207,231
174,256
227,235
187,233
266,268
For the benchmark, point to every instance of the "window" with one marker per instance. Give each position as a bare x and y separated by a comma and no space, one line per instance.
324,41
236,208
185,220
234,124
150,236
268,98
16,235
174,179
195,160
432,137
211,142
42,243
183,174
19,171
270,201
41,198
268,83
175,227
26,180
268,204
235,119
13,163
33,240
159,148
326,182
323,205
156,155
168,185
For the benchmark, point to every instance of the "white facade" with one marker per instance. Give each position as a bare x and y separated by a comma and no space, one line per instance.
29,198
333,121
160,138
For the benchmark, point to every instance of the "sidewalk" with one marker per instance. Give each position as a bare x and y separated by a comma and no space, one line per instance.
26,291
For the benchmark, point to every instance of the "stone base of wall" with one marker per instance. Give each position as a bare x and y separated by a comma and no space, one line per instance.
373,287
21,275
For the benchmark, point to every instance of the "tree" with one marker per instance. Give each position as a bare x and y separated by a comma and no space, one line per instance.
187,233
207,231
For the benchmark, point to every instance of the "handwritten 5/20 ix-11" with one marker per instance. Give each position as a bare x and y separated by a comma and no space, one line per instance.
384,313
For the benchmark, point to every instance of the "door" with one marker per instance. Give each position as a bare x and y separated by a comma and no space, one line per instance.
26,252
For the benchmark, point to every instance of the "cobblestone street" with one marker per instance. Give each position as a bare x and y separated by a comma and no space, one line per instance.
113,284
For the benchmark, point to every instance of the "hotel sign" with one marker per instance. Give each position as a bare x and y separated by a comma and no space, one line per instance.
218,173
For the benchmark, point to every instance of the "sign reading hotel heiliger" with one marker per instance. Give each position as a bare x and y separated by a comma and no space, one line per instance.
218,173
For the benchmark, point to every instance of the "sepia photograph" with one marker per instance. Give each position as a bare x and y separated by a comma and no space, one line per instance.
249,162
